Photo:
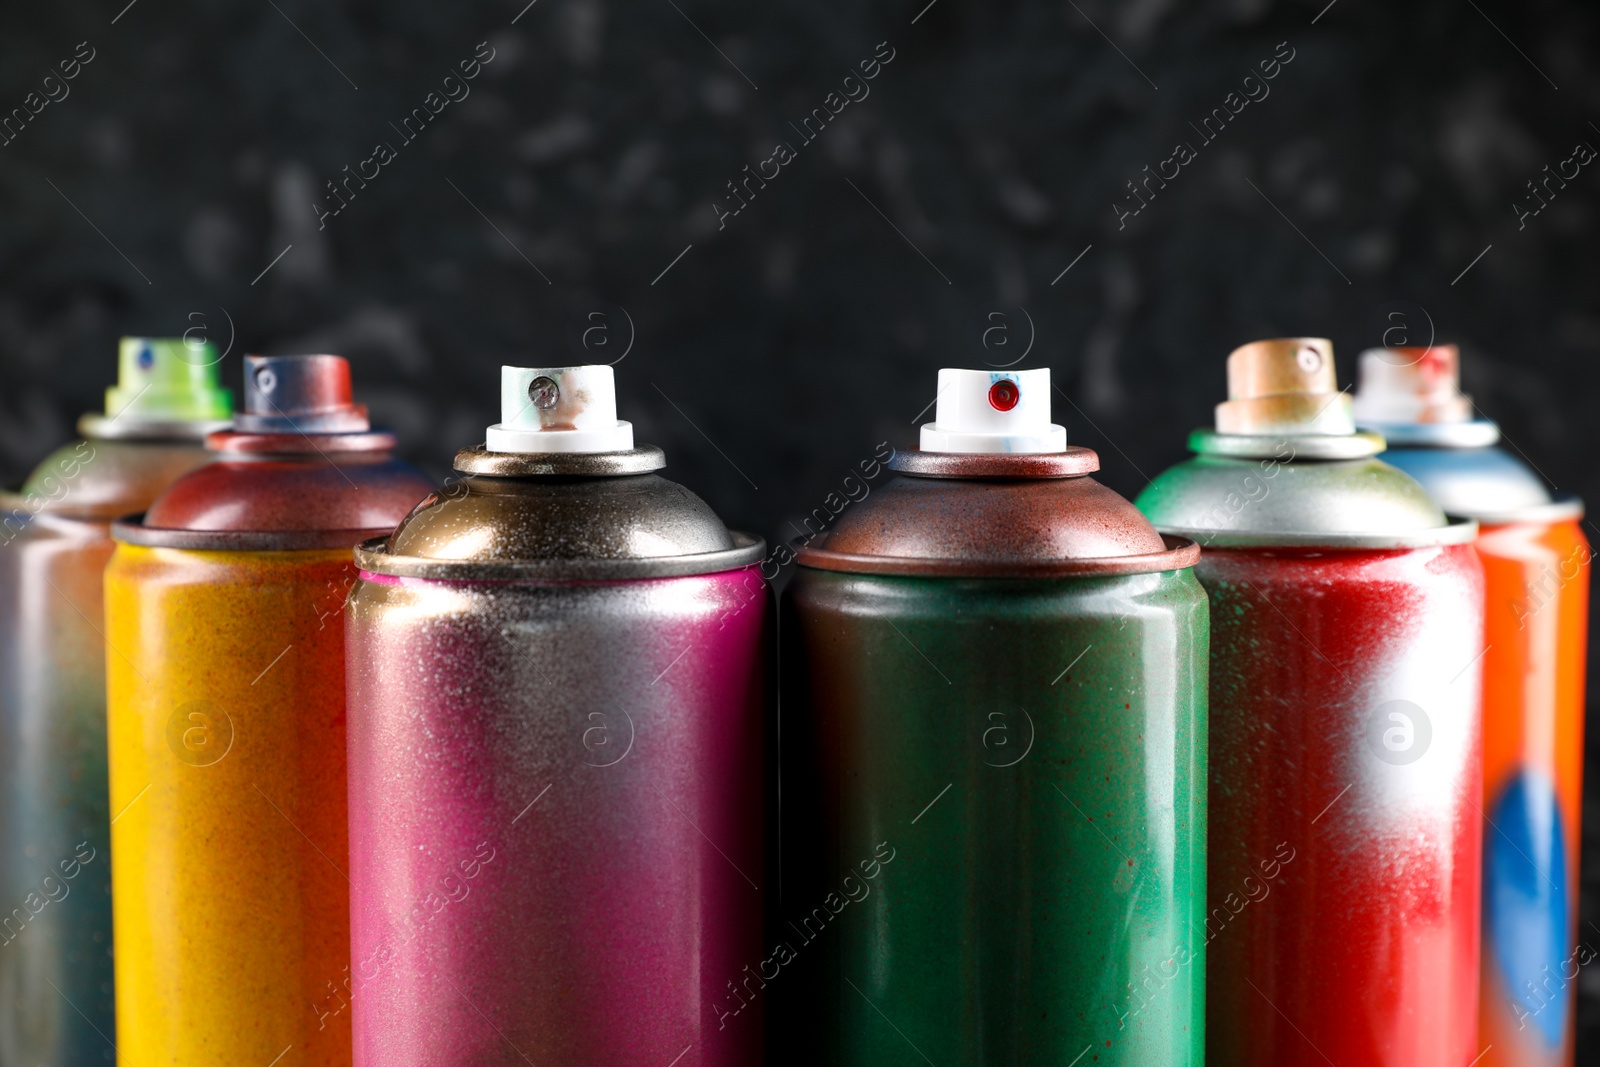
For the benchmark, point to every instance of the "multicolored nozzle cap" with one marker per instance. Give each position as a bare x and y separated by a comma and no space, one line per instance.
168,379
1411,385
167,387
299,394
1284,386
1413,397
559,409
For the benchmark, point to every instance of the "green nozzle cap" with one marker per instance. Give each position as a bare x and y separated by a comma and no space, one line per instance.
168,379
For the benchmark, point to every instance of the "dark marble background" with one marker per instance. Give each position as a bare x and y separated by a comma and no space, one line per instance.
787,341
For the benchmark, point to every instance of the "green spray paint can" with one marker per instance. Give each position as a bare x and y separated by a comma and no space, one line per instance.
993,754
56,999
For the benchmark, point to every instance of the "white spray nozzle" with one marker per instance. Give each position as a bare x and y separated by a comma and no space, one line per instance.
558,409
993,411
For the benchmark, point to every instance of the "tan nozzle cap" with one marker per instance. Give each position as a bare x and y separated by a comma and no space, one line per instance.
1284,386
1411,385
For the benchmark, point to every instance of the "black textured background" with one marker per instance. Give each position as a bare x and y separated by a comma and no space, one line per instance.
779,350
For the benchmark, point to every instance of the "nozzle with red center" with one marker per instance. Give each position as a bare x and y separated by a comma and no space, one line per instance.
993,411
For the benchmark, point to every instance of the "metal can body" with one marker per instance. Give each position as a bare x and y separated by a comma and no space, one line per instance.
1536,572
226,714
1537,576
1346,740
556,819
56,1000
55,929
1344,848
994,818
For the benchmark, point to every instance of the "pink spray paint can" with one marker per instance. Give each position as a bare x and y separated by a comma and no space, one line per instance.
556,729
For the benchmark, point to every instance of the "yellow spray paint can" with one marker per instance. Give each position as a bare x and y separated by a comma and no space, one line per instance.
225,681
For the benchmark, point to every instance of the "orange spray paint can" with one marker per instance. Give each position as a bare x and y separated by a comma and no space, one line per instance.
1536,567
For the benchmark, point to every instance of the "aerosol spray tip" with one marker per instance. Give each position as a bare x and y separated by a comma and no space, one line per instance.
993,411
299,394
1284,386
1402,386
559,409
167,379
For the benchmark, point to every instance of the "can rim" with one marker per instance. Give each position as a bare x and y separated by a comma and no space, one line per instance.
16,503
479,460
116,428
1560,509
131,530
1302,446
1181,553
1474,433
1074,461
372,555
1462,532
271,445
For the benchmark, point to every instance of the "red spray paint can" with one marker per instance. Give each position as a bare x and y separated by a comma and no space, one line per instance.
1346,636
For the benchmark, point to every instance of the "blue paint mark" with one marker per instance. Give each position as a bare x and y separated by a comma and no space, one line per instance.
1525,906
147,358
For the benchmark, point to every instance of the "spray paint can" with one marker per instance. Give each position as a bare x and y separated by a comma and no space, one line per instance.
994,760
1536,569
55,537
226,706
1346,619
556,744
